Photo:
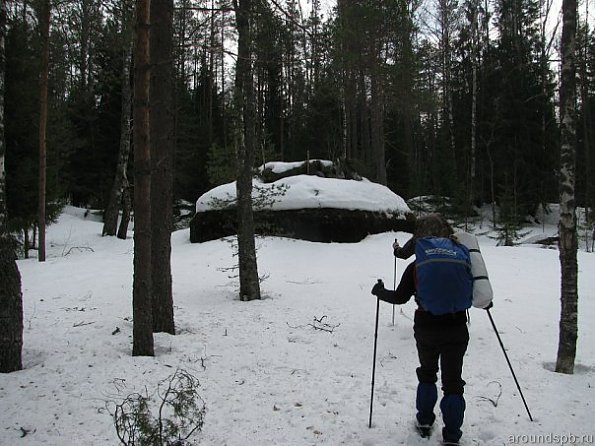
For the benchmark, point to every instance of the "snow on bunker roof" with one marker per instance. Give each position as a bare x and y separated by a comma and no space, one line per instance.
308,191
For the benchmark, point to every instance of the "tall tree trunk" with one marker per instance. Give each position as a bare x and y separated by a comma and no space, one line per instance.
446,22
249,282
377,121
110,218
11,298
11,306
348,84
212,72
475,42
362,152
85,44
43,119
126,210
587,127
223,91
141,293
162,148
567,226
3,208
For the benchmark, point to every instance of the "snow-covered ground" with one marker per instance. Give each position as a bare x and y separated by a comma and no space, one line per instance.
269,377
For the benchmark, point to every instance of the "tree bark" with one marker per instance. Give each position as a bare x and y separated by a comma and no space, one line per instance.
446,11
141,294
588,125
126,209
377,121
474,99
85,43
567,226
43,118
3,206
248,269
11,298
11,308
162,147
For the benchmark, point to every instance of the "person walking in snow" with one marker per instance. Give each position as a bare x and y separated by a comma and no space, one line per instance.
441,339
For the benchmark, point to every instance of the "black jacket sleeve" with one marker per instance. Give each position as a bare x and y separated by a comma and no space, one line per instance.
405,289
407,250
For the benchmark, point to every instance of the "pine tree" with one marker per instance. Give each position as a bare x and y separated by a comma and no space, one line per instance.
521,107
162,149
11,299
245,103
142,298
21,115
585,181
44,22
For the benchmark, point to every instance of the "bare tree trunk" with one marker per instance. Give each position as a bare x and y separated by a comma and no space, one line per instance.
85,43
377,121
587,127
446,22
141,294
567,226
3,209
11,307
43,119
11,298
249,282
26,245
162,148
222,61
364,112
475,65
126,209
110,218
348,86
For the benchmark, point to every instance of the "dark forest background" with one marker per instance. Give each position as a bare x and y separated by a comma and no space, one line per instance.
450,98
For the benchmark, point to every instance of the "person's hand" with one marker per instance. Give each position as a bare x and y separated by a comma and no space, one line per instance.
396,244
378,288
490,305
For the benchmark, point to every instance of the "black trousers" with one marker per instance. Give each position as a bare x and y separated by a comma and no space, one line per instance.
441,345
442,348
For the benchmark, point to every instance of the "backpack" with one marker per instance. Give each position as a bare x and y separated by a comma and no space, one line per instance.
482,288
443,275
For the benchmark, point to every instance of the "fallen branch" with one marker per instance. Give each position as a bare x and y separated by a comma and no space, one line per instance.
81,324
80,248
319,324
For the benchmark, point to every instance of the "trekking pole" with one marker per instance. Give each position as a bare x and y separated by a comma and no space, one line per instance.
394,288
394,285
374,360
509,364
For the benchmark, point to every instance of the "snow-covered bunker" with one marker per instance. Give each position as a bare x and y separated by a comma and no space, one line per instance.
313,200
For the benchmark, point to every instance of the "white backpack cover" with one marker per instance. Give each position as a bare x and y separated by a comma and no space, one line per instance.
482,288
